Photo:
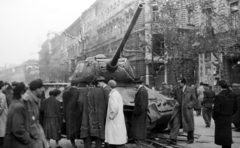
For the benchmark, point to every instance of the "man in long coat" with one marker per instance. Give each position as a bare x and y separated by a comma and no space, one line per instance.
17,129
182,115
115,131
93,108
106,88
72,114
222,115
52,117
32,103
138,130
236,115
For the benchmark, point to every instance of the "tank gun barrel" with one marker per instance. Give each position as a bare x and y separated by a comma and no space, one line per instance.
112,64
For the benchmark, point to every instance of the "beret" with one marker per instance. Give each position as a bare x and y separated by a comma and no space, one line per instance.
112,83
54,92
35,84
19,88
14,83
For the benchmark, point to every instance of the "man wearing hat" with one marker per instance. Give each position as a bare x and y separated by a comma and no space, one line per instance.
236,115
52,117
115,129
106,88
93,105
138,130
3,113
14,84
32,103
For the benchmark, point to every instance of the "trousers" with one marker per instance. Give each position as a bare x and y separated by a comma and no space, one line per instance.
207,115
88,142
176,126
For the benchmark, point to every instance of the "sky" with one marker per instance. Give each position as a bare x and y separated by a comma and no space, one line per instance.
24,25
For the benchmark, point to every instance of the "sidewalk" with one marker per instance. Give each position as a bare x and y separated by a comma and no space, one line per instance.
206,140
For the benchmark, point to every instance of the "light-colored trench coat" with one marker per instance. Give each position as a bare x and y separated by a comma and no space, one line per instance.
3,114
115,130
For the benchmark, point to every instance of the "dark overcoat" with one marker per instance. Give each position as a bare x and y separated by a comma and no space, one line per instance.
139,117
222,115
189,99
42,98
38,139
236,115
72,113
17,129
94,109
52,118
107,89
208,99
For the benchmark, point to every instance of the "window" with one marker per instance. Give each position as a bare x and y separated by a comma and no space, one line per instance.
190,16
155,12
234,14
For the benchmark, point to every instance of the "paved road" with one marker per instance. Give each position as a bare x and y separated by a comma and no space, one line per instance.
206,140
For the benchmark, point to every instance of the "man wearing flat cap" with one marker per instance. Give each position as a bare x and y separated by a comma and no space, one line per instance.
14,84
106,88
139,117
32,103
52,117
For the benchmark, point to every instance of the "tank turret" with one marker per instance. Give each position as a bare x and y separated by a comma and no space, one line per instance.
115,67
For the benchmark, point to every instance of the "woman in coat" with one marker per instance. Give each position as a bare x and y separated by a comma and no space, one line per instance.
3,114
115,129
17,129
52,117
222,115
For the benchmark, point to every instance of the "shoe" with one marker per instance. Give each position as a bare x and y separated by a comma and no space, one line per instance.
189,141
58,147
171,141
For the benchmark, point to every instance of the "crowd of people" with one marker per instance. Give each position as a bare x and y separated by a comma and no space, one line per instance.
29,120
222,104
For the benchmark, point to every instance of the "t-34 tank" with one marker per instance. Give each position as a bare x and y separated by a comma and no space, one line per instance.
121,71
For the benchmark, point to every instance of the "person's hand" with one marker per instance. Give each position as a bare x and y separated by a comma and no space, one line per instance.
176,104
